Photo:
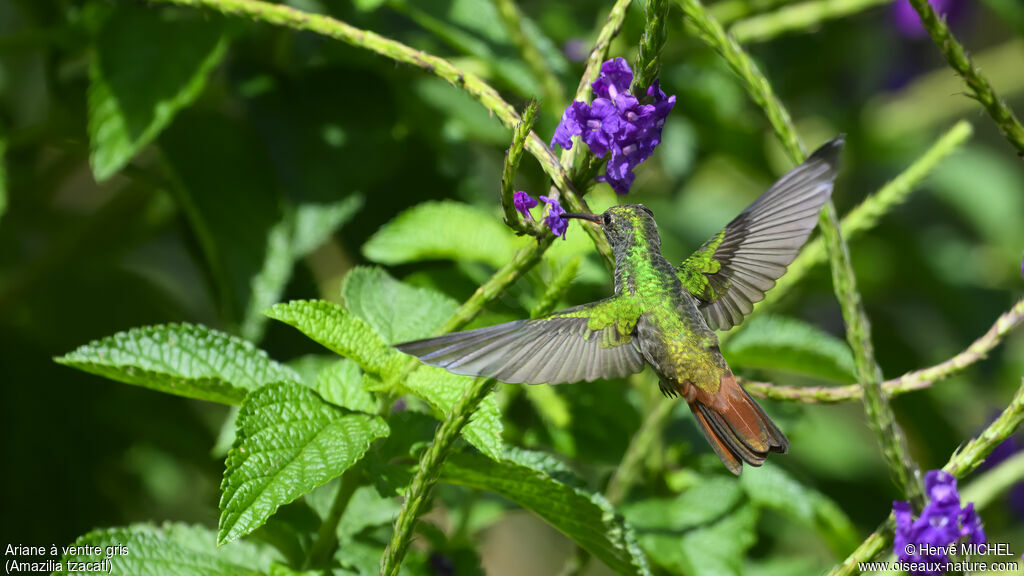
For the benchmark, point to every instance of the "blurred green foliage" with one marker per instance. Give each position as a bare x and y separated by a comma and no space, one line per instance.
161,165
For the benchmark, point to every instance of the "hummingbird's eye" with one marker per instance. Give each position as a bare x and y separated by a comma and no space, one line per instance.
607,219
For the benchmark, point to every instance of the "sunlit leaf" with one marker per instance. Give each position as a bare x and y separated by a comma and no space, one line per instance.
289,441
540,484
182,359
442,231
397,311
169,550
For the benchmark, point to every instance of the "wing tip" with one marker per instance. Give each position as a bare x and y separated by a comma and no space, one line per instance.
829,151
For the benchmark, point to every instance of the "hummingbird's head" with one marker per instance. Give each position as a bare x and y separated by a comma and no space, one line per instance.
625,225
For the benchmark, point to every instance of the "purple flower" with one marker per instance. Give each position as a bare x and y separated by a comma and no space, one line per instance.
942,522
575,49
523,202
908,23
616,121
554,219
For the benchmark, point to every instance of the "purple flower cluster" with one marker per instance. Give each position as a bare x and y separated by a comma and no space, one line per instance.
616,121
942,522
554,220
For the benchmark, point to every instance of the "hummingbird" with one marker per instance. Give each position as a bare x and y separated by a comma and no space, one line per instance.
663,315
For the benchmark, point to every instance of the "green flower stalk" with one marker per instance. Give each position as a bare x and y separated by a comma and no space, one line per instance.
512,202
880,416
980,87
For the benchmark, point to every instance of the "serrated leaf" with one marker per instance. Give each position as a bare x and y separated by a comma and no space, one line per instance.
171,550
772,487
289,441
781,343
539,483
340,332
341,384
145,69
443,390
182,359
345,334
397,311
702,504
716,549
442,231
300,232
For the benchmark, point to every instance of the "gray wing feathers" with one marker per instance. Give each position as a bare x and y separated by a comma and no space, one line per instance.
764,239
548,350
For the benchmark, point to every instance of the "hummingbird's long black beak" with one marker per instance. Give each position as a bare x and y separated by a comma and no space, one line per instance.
596,218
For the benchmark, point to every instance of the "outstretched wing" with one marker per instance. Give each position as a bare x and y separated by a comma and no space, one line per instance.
734,269
583,343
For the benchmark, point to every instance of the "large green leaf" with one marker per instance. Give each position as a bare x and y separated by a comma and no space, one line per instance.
339,331
772,487
182,359
539,483
169,550
781,343
397,311
702,504
715,549
289,441
442,231
341,384
300,232
146,67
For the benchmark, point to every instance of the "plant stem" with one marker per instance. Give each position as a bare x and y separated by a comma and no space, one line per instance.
867,214
876,406
648,56
916,380
327,538
640,445
976,82
513,19
512,157
990,485
802,17
962,463
417,498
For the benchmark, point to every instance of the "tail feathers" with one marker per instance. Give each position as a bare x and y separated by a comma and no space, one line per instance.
733,423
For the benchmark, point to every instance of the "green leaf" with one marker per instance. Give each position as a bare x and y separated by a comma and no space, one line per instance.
539,483
716,549
341,384
339,331
704,503
397,311
171,550
3,176
293,238
442,231
780,343
145,68
443,390
772,487
289,441
367,509
182,359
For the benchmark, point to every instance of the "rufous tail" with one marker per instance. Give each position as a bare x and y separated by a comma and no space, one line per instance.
735,426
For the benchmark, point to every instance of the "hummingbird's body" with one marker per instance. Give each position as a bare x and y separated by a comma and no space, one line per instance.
663,315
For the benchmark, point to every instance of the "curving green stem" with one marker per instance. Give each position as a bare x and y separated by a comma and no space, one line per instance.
508,174
797,17
962,463
979,86
858,333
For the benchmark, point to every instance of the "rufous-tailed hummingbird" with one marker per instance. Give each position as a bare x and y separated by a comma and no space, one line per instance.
664,315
